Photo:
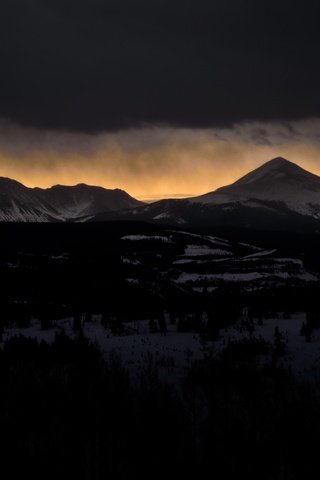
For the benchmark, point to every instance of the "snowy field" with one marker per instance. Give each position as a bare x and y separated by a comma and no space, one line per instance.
174,352
197,261
302,357
243,277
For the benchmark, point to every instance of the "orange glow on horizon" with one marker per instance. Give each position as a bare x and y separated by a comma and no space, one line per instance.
148,164
142,186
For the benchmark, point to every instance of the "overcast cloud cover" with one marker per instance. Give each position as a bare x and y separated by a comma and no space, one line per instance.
106,64
154,161
156,96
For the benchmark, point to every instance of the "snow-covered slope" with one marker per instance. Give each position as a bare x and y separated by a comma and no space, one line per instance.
59,203
279,195
278,180
204,263
84,200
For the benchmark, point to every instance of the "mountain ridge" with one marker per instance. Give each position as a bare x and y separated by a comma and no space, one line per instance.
279,193
277,180
58,203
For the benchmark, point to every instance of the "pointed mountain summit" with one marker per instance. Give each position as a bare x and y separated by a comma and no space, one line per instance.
278,192
278,180
275,169
278,195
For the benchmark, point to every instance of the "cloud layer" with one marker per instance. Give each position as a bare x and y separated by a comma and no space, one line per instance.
98,65
154,161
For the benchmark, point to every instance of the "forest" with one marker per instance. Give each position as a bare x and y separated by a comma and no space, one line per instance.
69,409
66,411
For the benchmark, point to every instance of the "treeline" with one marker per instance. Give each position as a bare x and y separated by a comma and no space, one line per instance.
67,412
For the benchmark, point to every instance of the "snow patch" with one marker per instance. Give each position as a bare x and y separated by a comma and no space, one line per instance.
200,251
137,238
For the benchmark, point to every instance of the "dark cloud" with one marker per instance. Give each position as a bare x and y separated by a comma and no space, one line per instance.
95,65
154,162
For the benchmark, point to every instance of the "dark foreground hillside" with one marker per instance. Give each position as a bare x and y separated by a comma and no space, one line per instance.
128,270
72,408
66,412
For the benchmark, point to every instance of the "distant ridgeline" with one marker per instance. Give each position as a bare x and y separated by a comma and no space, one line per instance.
279,195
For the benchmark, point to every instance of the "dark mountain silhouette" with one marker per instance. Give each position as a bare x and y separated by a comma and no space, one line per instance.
58,203
278,180
277,195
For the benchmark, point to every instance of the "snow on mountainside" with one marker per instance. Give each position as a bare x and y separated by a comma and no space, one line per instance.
279,195
278,180
58,203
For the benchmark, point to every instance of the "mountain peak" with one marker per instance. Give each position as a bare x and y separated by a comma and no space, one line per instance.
277,169
277,163
10,184
278,160
60,202
277,180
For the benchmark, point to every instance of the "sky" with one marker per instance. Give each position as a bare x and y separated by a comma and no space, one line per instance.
160,98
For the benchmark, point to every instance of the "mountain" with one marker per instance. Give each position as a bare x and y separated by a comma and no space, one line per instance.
278,180
19,203
72,202
278,195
